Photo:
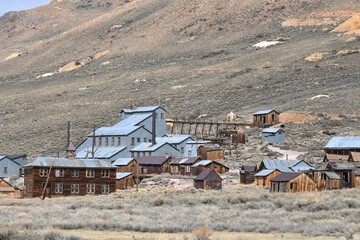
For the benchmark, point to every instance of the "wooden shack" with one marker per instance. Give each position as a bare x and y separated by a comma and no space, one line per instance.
265,118
208,179
247,174
263,177
326,180
272,135
335,157
354,157
343,145
127,165
9,190
125,180
210,152
154,164
68,177
198,167
292,182
182,165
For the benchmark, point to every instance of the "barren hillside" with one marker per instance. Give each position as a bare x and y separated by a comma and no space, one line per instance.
86,60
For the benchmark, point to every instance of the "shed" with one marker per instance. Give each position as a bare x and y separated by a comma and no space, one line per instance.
182,165
208,179
210,152
247,174
326,179
198,167
335,157
354,157
292,182
124,180
127,165
7,189
154,164
263,177
273,135
265,118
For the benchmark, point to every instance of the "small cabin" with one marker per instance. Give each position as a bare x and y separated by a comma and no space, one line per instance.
127,165
265,118
210,152
326,180
154,164
9,190
208,179
182,165
263,177
124,180
292,182
343,145
198,167
247,174
272,135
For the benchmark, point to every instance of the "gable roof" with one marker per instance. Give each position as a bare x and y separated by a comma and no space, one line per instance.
279,163
332,175
122,161
198,142
133,120
355,156
344,142
65,162
335,157
341,165
149,147
272,130
174,139
142,109
121,175
205,173
211,147
285,176
247,168
13,156
115,131
184,160
264,172
204,163
152,160
101,152
262,112
11,160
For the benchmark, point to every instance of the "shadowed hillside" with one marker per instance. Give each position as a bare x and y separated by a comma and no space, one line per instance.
86,60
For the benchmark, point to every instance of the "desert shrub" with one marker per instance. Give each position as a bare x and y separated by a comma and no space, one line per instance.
202,233
158,201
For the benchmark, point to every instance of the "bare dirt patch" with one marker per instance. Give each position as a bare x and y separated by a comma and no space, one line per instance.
315,57
297,117
349,26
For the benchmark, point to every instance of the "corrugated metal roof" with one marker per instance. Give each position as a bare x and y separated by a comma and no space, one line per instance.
202,163
152,160
301,166
276,164
203,174
285,177
122,161
142,109
121,175
271,130
344,142
114,131
133,120
332,175
101,152
184,160
65,162
149,147
264,172
174,139
261,112
248,168
13,156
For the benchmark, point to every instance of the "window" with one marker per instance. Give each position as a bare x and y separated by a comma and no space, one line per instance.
188,169
106,141
112,141
182,150
132,141
59,172
132,154
105,173
74,188
273,117
90,173
145,139
291,186
58,188
5,170
149,153
119,141
90,188
138,140
74,172
162,115
43,172
100,141
105,189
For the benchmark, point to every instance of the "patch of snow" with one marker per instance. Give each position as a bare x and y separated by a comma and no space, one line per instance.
106,63
320,96
45,75
265,44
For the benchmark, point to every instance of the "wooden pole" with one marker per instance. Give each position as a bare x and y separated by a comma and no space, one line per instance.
93,144
182,128
47,181
189,128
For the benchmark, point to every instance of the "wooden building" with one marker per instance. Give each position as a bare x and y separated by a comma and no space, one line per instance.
210,152
265,118
154,164
182,165
292,182
326,180
9,190
346,172
263,177
68,177
354,157
335,157
247,174
208,179
272,135
198,167
127,165
343,145
124,180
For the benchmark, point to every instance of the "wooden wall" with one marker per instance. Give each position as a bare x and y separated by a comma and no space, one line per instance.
265,181
132,167
323,182
210,154
301,183
247,177
258,120
125,183
155,169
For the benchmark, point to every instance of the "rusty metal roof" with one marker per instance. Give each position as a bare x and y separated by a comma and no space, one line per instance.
71,163
285,176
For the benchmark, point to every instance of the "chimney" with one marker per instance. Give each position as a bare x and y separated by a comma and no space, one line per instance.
153,136
70,148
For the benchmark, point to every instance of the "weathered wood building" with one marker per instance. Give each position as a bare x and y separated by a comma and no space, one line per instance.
198,167
9,190
326,179
210,152
208,179
292,182
125,180
182,165
68,177
247,174
154,164
265,118
343,145
127,165
272,135
263,177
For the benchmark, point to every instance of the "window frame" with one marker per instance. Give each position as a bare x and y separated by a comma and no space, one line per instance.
73,171
105,173
59,172
91,187
90,173
75,188
59,188
43,172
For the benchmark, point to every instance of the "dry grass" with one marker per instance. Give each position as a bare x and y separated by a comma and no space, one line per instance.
234,209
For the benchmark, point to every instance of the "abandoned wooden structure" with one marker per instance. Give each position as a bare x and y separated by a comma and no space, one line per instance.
68,177
154,164
247,174
343,145
208,179
326,179
127,165
9,190
182,165
265,118
125,180
292,182
210,152
273,135
198,167
263,177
